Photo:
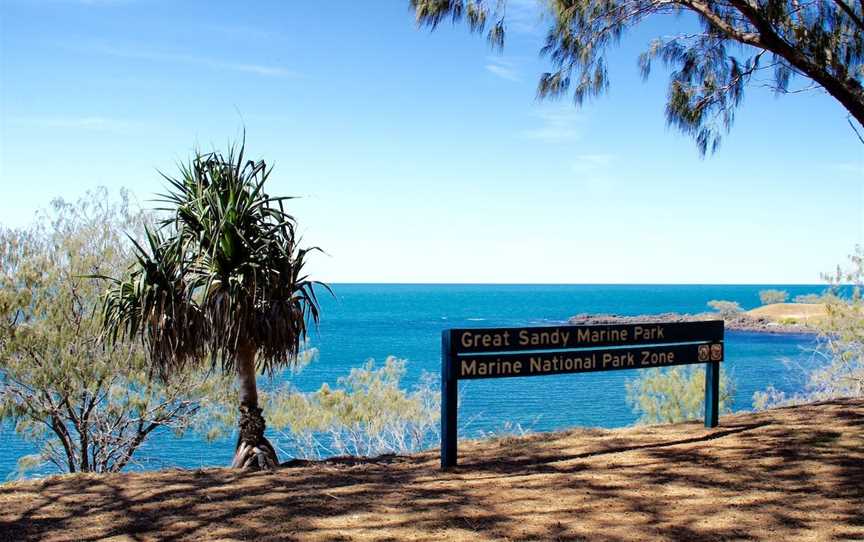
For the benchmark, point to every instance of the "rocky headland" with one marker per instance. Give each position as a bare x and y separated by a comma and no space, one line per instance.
737,322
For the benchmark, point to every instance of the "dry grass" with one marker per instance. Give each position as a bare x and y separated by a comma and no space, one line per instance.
787,474
802,313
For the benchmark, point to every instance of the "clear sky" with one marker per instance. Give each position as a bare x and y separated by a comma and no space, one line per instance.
423,157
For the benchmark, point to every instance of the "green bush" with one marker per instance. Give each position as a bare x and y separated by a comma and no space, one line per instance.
367,414
770,297
836,368
810,299
727,309
84,406
675,394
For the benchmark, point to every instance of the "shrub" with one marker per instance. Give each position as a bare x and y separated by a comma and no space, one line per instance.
675,394
770,297
837,366
366,414
727,309
86,407
810,299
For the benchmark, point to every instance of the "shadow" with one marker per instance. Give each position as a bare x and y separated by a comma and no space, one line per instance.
347,460
535,460
787,474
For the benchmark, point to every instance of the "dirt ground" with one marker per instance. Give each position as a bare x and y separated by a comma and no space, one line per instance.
782,475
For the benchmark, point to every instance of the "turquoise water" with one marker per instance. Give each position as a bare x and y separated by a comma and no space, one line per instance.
373,321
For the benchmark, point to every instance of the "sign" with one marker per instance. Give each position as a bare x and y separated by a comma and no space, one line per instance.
536,351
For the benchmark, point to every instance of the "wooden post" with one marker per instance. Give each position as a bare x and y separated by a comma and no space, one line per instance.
449,399
712,393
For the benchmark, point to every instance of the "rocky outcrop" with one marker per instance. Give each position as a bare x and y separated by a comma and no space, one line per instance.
737,322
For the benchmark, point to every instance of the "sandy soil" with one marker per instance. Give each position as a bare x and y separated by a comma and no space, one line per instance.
782,475
802,312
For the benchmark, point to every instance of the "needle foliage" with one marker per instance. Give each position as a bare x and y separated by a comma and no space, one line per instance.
85,407
734,45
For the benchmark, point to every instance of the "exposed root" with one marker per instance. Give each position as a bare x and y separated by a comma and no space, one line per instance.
261,456
254,451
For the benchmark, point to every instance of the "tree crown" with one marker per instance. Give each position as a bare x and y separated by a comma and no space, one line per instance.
223,269
740,43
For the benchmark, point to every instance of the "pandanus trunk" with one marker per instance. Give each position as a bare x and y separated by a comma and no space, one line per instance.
253,449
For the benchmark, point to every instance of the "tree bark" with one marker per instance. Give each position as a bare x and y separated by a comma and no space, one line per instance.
253,449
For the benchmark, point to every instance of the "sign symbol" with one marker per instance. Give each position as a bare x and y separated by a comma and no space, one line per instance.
716,352
703,352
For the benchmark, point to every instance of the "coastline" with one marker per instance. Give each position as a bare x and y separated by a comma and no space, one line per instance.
738,322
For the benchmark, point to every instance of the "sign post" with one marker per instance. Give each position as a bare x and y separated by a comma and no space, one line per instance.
536,351
449,402
712,393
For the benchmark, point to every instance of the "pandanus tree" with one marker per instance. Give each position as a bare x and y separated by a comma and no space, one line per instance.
219,281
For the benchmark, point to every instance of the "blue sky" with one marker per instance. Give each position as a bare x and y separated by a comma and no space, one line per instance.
423,157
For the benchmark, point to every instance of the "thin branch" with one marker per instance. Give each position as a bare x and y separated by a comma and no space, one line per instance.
854,128
749,38
851,13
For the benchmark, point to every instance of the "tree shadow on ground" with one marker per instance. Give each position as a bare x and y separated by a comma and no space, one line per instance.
781,475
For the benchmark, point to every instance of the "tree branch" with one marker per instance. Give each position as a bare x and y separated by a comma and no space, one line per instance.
854,128
847,91
702,8
850,13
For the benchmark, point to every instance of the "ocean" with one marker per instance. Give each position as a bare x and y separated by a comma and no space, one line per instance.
374,321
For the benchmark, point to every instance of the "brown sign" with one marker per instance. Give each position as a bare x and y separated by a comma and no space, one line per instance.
469,366
535,351
574,337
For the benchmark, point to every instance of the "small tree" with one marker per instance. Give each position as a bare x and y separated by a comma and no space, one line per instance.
675,394
367,413
809,299
837,367
87,408
727,309
222,280
770,297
